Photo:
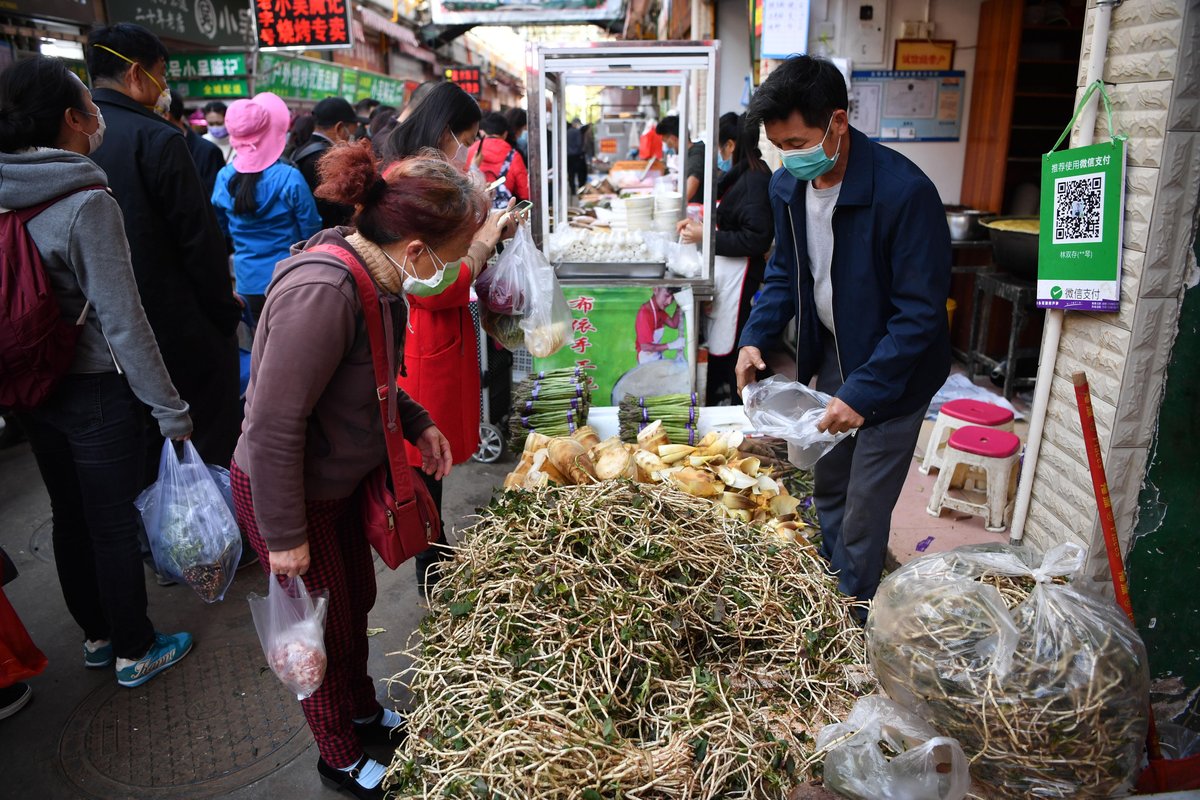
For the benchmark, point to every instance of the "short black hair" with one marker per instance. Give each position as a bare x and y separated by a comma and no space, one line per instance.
365,105
34,93
332,110
668,127
176,109
215,107
517,119
132,41
812,86
494,124
728,127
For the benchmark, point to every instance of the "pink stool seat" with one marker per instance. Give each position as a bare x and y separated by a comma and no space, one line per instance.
977,412
987,442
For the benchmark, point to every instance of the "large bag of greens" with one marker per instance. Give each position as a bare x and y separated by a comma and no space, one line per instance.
291,628
1045,685
189,523
885,752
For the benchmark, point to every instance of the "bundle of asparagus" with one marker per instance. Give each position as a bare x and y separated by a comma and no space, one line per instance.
679,414
554,403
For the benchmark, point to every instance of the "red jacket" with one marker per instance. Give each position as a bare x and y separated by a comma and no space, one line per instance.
441,356
495,151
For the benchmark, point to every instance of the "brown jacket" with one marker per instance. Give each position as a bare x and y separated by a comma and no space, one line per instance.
312,429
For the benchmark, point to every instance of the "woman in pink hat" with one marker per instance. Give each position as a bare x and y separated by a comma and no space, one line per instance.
263,205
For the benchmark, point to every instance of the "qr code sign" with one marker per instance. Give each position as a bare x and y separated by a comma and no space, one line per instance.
1078,209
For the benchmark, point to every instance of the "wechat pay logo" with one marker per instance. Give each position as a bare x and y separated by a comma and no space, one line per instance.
1056,293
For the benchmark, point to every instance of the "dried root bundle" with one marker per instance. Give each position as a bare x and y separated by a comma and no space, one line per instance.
618,639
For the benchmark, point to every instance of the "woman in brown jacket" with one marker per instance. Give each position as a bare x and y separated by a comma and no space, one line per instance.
313,431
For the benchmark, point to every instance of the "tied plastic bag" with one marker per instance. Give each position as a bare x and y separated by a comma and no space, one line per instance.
1046,687
789,410
891,754
188,516
291,627
684,259
546,317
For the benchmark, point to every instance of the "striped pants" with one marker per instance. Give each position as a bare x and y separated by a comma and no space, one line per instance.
341,564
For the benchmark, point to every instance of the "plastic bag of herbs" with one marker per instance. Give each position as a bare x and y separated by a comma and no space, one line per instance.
191,528
1043,682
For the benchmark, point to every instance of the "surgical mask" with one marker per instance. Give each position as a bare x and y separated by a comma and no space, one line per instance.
724,164
218,132
668,151
523,139
96,137
440,281
811,162
460,155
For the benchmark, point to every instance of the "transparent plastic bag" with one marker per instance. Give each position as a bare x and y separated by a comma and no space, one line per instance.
291,627
891,754
789,410
502,287
188,516
684,259
504,328
1044,685
545,315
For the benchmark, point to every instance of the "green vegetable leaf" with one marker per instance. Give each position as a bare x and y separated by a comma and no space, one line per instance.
462,609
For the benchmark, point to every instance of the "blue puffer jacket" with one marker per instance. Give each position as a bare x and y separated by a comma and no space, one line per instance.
891,278
286,214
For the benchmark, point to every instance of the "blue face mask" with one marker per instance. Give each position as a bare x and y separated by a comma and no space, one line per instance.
724,164
811,162
523,139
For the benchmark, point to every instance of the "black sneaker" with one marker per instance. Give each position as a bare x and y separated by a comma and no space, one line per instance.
348,781
14,698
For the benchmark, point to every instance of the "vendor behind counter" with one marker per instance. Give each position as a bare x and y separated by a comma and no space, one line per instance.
694,163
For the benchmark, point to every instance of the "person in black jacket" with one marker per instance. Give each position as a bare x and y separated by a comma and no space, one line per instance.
744,232
334,121
178,253
207,156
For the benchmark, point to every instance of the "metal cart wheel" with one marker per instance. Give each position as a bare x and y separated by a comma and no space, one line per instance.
491,444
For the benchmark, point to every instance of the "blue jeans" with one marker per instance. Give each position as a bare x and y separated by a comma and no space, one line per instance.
88,439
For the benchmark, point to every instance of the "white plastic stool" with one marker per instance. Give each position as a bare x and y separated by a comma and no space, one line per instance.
981,464
955,414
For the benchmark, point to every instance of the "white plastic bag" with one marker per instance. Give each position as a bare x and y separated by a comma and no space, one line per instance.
503,285
684,259
1045,686
189,523
891,754
546,317
291,627
789,410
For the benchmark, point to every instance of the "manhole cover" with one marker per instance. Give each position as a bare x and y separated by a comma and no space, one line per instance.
216,722
41,543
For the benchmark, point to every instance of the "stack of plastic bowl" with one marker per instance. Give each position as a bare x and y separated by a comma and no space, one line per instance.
639,212
668,210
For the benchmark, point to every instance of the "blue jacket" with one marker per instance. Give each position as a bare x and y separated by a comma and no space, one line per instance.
286,214
890,275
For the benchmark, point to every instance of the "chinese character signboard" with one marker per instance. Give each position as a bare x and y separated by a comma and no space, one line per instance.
193,66
73,10
468,78
228,88
303,24
358,85
219,23
608,328
924,54
297,78
527,12
1079,237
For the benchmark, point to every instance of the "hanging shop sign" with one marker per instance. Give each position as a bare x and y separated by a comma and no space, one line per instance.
1082,221
214,87
201,66
298,78
219,23
526,12
359,85
303,24
904,106
923,54
468,78
68,10
784,28
610,323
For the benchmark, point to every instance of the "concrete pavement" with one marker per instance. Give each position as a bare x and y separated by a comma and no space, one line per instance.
215,725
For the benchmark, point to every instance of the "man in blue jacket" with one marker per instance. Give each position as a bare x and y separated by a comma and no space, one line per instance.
862,262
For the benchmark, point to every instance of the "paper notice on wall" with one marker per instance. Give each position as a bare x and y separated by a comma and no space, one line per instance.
865,99
909,99
784,28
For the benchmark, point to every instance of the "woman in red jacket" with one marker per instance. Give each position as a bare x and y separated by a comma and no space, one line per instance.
442,351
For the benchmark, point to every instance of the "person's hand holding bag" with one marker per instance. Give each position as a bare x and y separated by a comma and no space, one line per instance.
291,563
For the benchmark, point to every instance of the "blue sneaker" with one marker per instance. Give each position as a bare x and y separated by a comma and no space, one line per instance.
166,651
97,657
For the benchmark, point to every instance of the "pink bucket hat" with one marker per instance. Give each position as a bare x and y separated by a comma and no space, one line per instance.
257,131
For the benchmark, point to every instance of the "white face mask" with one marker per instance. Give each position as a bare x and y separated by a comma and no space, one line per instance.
96,137
460,155
435,284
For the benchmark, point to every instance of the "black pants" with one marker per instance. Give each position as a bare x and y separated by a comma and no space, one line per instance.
577,172
88,442
439,551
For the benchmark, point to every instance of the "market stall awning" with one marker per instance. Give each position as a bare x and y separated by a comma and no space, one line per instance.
404,37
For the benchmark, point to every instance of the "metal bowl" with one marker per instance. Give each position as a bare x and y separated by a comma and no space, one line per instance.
964,224
1015,252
